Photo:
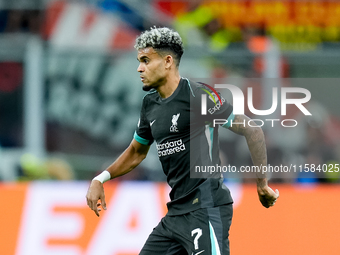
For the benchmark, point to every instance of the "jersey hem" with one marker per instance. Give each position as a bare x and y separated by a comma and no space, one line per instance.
141,140
229,120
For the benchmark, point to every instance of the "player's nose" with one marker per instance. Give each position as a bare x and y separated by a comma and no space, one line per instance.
140,68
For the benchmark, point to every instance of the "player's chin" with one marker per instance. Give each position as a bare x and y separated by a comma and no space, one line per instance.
147,87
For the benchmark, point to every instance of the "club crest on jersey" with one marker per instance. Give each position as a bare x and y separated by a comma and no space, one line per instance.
173,127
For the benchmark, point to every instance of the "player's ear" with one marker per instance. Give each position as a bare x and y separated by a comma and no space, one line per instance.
169,61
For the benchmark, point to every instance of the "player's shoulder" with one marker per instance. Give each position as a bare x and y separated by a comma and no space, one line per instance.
191,86
196,87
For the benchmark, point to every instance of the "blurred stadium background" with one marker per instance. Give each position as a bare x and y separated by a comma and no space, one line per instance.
70,98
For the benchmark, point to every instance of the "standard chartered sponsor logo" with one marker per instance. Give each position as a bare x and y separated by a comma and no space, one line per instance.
169,148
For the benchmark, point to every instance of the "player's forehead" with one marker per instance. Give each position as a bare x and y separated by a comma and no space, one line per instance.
148,52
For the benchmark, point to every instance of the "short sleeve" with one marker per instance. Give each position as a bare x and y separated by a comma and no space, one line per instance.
217,107
143,133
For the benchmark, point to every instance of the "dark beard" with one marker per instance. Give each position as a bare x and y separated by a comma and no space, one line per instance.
147,88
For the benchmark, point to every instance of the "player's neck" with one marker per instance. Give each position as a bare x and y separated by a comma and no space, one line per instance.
169,87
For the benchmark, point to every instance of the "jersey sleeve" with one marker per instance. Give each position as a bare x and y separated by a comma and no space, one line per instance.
216,106
143,133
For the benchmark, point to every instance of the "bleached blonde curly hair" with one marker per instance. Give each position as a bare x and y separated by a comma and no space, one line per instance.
163,40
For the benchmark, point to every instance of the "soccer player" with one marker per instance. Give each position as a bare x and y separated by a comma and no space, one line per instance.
200,211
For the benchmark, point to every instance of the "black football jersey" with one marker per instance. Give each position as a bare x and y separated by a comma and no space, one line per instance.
186,139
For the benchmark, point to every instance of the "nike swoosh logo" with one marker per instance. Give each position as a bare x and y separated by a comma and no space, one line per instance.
198,252
151,123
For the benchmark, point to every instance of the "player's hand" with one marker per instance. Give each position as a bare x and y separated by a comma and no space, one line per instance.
267,196
94,194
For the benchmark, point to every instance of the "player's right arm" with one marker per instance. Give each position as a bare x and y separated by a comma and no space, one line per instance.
127,161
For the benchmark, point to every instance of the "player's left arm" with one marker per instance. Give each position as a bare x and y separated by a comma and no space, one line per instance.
257,147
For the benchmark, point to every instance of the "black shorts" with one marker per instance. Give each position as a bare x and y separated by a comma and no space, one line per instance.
201,232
